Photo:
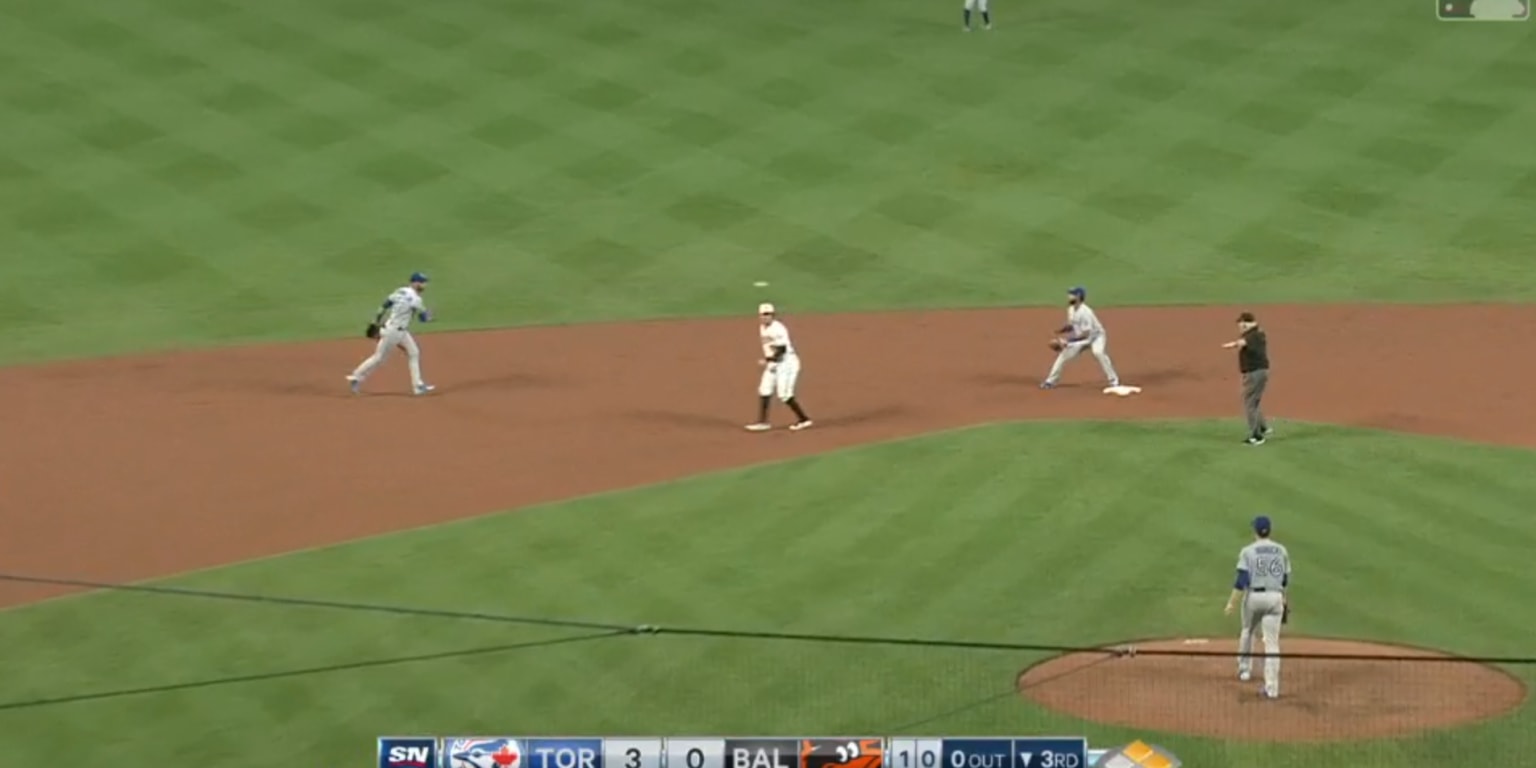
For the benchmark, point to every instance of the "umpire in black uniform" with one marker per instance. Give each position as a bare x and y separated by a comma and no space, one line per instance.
1253,360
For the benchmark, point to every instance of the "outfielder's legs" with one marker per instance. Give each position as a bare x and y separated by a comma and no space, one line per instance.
388,340
1101,354
413,359
1071,351
978,5
380,353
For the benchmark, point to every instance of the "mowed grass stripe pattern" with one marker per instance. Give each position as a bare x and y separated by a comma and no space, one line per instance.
1048,533
180,171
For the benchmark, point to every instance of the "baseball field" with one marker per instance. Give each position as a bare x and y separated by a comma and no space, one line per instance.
212,553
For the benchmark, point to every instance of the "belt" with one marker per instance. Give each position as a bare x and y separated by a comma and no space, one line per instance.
1260,589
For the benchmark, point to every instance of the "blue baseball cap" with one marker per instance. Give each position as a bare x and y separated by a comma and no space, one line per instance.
1261,524
418,277
1078,291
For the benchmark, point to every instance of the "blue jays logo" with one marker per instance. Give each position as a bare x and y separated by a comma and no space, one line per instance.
484,753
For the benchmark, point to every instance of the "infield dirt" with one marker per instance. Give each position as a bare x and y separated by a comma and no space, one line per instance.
129,468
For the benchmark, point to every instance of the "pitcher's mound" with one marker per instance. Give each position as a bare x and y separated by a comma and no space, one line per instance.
1381,691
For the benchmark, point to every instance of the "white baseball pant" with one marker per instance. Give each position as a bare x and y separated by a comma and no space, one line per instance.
779,378
1097,346
388,340
976,5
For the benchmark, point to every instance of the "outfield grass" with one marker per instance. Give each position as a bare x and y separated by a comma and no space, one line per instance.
202,171
180,172
990,535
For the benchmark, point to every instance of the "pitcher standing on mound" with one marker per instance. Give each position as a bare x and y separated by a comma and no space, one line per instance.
781,367
1263,576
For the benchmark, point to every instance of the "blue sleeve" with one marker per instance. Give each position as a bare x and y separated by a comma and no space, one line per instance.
388,303
1285,581
1242,580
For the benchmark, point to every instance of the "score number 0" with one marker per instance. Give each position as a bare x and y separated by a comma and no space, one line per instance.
693,758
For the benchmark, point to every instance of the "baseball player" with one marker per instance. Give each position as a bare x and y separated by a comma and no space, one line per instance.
1084,332
1263,575
978,5
781,366
392,327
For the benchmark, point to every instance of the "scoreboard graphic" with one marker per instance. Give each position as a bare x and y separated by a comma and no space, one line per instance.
799,752
805,753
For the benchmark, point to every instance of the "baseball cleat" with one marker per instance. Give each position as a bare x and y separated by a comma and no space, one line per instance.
424,389
1244,676
1269,431
355,385
1047,385
1255,440
1265,693
799,425
759,427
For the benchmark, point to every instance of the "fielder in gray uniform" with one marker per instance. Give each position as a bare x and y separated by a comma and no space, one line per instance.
1263,576
1086,334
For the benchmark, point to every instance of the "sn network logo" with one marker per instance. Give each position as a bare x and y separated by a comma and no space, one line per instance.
407,752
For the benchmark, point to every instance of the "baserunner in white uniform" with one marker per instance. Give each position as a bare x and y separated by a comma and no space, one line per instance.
1263,576
394,323
1084,332
781,369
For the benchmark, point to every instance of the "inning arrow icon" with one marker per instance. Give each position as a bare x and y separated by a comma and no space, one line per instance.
1025,757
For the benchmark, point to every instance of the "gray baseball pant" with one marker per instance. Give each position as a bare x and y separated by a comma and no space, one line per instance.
1254,383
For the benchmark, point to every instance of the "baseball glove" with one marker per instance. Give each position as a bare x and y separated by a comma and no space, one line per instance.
1058,344
373,331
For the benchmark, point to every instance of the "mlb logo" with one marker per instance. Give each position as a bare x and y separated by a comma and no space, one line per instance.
407,752
482,752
